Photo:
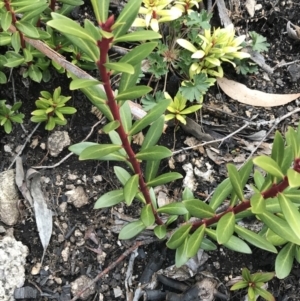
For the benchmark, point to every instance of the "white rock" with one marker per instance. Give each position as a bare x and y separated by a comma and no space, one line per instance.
79,284
57,141
77,197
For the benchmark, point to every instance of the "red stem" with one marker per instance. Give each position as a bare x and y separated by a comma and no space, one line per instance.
104,46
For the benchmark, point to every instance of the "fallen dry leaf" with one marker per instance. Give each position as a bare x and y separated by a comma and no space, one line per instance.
247,96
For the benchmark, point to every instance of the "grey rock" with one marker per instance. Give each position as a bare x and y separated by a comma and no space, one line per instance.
77,197
57,141
9,197
79,284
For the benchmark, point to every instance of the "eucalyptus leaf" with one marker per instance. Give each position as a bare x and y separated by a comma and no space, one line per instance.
110,199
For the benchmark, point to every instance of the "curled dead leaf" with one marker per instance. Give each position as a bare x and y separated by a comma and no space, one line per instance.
243,94
293,31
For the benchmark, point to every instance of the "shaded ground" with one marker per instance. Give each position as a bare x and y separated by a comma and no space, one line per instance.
69,254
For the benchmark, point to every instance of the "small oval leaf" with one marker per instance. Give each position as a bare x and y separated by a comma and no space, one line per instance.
179,236
198,208
109,199
131,230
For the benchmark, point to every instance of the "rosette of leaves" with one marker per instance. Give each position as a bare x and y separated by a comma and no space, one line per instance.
178,108
254,283
51,109
215,47
9,115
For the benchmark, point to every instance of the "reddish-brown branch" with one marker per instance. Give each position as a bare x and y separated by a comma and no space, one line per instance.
104,46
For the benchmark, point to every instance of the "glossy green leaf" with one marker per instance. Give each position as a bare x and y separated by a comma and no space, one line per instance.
180,256
194,241
98,151
179,236
120,67
128,80
131,230
290,213
269,165
35,13
164,178
293,194
258,203
234,243
69,27
174,208
198,208
126,18
83,83
208,245
294,178
147,215
30,7
27,29
160,231
235,180
239,285
110,199
258,179
284,260
156,152
125,114
274,239
5,39
152,116
137,54
265,294
5,20
225,227
279,226
151,169
100,9
79,147
137,36
34,73
262,277
221,193
278,148
122,174
254,239
133,92
111,126
291,139
14,62
153,198
287,159
154,133
130,189
187,194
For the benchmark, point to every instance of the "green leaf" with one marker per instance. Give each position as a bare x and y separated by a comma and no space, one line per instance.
254,239
239,285
179,236
198,208
27,29
35,74
83,83
160,231
115,139
174,208
34,13
100,9
125,114
194,241
290,213
30,7
3,78
69,27
98,151
126,18
5,20
246,274
278,148
262,277
297,253
133,92
279,226
294,178
131,230
180,256
137,36
154,133
258,179
120,67
287,159
111,126
152,116
79,147
130,189
147,215
258,204
208,245
265,294
235,181
129,80
5,39
269,165
156,152
122,174
274,239
110,199
221,193
137,54
164,178
225,227
284,261
151,169
14,62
